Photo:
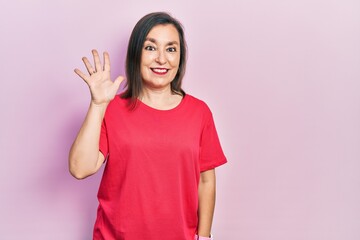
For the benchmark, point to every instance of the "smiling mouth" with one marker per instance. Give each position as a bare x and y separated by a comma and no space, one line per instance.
160,71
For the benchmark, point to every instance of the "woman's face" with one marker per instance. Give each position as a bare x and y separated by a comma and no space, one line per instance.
160,57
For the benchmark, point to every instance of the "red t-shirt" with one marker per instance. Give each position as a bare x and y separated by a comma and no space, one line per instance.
149,189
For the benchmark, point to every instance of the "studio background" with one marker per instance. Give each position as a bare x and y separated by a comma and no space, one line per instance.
282,79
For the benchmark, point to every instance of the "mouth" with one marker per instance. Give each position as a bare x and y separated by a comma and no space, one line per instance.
159,71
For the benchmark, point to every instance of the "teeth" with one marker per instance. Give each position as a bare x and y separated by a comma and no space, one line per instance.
159,70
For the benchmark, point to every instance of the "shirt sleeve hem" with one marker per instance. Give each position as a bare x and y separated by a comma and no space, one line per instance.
103,152
213,165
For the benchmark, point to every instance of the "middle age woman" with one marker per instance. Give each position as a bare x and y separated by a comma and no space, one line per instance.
160,144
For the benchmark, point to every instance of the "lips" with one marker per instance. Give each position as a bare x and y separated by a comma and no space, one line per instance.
159,71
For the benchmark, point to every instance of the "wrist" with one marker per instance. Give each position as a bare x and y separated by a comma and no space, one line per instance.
98,109
99,105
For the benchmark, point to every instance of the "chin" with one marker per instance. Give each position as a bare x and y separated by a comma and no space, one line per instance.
157,84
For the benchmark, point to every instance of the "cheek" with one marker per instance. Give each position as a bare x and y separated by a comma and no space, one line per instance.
146,58
174,60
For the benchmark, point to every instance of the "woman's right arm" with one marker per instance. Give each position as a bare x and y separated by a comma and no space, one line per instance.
84,157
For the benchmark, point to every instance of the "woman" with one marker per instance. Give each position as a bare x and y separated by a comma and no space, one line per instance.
160,144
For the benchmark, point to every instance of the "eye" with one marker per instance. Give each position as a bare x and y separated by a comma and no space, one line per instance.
150,48
171,49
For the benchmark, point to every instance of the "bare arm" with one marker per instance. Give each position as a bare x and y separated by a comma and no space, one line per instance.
84,157
207,189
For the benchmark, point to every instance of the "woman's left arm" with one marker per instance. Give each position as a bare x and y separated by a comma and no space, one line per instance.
207,193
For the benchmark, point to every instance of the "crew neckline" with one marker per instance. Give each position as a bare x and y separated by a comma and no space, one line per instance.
145,106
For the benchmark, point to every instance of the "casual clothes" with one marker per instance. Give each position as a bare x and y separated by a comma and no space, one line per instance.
149,188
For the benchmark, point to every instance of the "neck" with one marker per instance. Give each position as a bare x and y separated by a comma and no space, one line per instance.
162,99
154,94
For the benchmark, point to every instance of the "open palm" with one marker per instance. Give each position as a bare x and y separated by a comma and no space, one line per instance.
102,89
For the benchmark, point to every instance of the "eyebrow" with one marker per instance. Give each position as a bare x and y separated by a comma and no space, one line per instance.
154,41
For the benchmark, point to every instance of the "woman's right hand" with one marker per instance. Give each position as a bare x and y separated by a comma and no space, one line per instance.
102,89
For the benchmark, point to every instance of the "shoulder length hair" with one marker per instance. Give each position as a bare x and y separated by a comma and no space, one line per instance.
135,47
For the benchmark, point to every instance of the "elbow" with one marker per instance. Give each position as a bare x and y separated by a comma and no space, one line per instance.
76,171
81,167
77,175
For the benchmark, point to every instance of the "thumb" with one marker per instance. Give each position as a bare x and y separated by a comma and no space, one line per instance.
118,81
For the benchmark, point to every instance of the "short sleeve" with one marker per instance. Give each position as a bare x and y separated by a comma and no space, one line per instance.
211,153
103,142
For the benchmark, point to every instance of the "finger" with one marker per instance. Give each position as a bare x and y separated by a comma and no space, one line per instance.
106,61
96,60
117,82
88,66
81,74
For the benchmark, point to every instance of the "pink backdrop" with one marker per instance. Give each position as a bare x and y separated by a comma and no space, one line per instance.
281,77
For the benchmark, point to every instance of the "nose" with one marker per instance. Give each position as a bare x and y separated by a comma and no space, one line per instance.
161,58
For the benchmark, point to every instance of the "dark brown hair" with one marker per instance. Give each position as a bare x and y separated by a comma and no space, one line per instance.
135,48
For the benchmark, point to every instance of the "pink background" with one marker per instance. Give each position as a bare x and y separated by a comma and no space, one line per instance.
281,77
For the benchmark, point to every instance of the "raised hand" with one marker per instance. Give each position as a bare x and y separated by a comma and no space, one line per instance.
102,89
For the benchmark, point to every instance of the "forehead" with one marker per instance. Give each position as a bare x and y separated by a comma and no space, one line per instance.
164,33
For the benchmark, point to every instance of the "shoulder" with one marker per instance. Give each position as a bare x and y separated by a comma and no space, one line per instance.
119,101
117,105
197,104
